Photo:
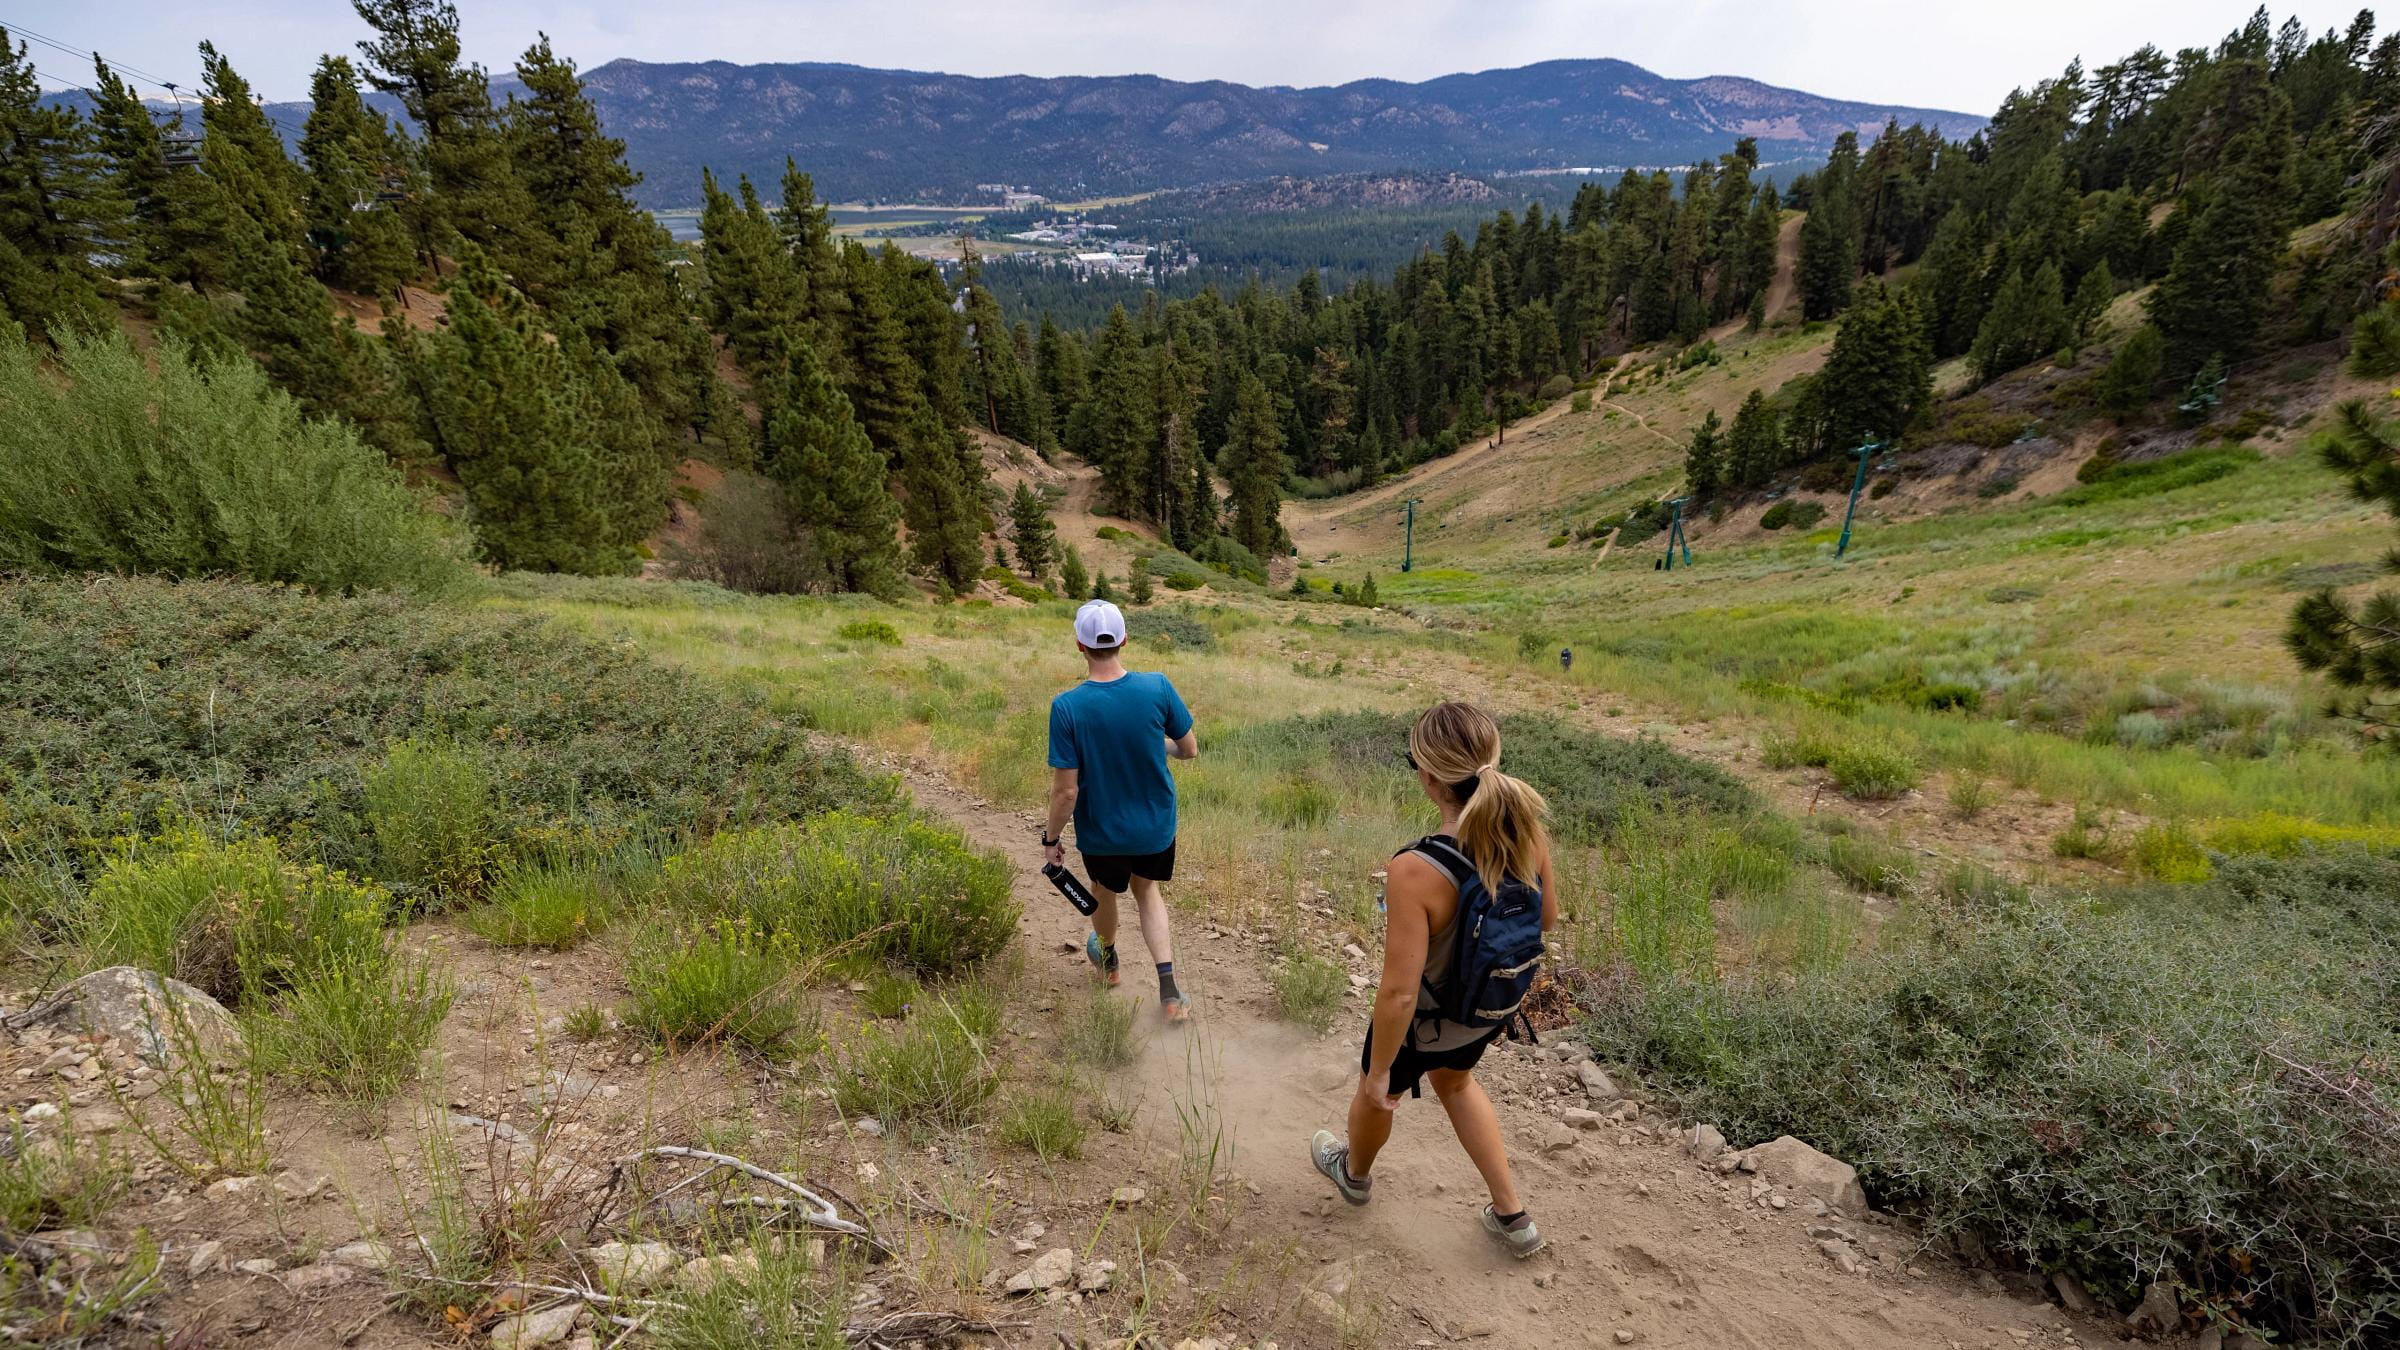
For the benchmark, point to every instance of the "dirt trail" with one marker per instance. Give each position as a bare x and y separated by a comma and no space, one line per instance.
1644,1240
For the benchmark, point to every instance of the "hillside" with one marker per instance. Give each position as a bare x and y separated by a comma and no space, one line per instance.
910,135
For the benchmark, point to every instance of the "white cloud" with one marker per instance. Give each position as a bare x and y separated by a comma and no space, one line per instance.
1898,51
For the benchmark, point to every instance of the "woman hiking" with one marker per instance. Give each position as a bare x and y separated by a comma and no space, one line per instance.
1449,989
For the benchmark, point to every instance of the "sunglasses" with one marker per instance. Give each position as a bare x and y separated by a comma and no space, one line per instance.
1411,757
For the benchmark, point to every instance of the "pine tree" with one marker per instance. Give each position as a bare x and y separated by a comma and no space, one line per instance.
1100,587
834,479
503,410
57,212
1704,459
2027,321
285,319
2126,382
944,507
609,284
1253,464
354,160
1830,236
754,296
475,192
2357,647
1880,372
1753,448
1137,581
1030,529
244,157
1072,581
174,215
2213,301
2093,295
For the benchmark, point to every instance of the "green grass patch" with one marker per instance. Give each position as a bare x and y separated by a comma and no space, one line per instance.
900,891
719,982
1309,990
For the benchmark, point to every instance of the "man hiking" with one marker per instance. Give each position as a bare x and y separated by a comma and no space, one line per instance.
1110,739
1468,911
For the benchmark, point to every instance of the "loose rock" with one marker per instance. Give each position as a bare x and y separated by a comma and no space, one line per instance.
1704,1143
1810,1173
1597,1085
632,1267
1050,1270
156,1017
547,1327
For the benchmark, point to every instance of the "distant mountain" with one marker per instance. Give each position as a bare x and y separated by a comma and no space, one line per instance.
902,135
896,135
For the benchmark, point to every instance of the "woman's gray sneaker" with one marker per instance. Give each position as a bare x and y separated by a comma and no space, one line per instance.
1332,1157
1522,1240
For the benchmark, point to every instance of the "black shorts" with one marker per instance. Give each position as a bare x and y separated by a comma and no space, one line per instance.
1412,1064
1115,872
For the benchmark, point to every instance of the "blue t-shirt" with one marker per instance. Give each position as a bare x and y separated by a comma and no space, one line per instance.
1115,736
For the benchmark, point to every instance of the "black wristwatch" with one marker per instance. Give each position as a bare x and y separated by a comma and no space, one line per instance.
1048,842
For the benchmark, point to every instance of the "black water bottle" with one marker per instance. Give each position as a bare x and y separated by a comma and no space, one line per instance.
1072,887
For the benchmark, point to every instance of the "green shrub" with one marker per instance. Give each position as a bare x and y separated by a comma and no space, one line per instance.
1868,865
745,541
933,1069
2274,835
1970,795
197,466
541,905
358,1033
869,630
1098,1032
899,891
59,1181
2129,1092
720,981
1227,555
1800,515
1171,628
1297,804
1112,532
118,721
2085,836
1043,1123
888,995
429,807
2167,852
1582,402
769,1295
234,919
1010,582
1309,990
1872,770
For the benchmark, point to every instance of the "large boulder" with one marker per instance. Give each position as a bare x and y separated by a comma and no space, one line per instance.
1807,1172
151,1015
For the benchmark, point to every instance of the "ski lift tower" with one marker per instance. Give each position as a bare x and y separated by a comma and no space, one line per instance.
1865,453
1675,537
1408,551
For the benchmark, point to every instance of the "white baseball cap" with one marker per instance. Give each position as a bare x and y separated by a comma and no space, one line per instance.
1099,625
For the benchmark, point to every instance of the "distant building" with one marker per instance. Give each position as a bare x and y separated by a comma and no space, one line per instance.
1015,199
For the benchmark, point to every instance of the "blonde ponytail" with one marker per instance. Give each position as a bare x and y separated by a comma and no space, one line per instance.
1501,823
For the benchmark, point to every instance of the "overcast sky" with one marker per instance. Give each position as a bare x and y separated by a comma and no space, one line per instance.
1923,53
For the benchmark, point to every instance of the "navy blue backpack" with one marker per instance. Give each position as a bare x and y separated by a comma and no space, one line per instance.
1496,945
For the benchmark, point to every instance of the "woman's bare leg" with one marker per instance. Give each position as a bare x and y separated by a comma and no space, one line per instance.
1478,1127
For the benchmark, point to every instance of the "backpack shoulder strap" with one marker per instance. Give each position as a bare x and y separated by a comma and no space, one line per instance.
1446,856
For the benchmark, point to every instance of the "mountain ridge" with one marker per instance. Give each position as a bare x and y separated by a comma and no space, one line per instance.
872,133
868,133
